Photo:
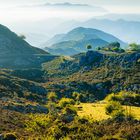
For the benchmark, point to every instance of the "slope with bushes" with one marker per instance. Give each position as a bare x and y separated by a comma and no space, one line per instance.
94,73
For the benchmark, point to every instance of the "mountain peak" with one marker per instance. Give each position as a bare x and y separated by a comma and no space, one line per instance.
85,30
78,38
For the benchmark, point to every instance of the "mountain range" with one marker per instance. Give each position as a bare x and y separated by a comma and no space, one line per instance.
124,27
76,40
127,30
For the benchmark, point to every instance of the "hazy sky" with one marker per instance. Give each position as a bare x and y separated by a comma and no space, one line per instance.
104,2
18,13
22,13
129,6
30,16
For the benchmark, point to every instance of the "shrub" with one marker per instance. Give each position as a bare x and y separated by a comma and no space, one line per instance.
23,37
134,47
52,107
70,110
66,101
10,136
125,98
115,110
76,96
52,96
89,47
68,114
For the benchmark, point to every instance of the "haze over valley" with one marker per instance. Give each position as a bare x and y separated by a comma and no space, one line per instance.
40,20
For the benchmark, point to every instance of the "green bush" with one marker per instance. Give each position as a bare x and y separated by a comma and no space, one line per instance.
66,101
115,110
134,47
125,98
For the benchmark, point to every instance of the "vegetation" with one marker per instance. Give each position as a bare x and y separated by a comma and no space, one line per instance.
89,47
112,47
97,111
92,95
134,47
67,125
66,101
22,36
115,110
125,98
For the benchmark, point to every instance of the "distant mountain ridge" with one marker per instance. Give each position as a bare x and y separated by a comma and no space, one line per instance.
78,38
126,30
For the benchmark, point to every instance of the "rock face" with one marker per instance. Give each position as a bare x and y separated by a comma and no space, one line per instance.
90,57
125,60
97,59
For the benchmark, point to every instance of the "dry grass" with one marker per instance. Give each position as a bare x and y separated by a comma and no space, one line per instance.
97,111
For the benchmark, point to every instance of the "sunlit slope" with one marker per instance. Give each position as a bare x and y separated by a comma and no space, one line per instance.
97,111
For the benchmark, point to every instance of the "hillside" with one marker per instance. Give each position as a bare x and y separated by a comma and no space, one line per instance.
11,43
17,53
126,27
21,95
78,38
97,111
96,73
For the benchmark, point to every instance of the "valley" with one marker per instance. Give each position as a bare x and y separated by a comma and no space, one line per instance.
84,85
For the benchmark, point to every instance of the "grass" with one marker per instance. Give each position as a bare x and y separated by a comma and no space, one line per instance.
97,111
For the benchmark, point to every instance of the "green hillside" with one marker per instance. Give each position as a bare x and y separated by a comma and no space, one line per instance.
78,38
16,53
92,95
94,73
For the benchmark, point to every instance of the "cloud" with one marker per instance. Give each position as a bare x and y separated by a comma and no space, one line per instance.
67,7
76,6
67,4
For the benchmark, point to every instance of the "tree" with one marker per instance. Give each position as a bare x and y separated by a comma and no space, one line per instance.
116,44
23,37
99,48
89,47
113,47
134,47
